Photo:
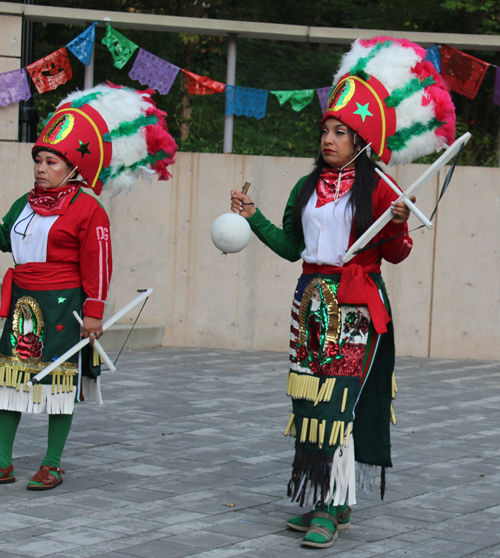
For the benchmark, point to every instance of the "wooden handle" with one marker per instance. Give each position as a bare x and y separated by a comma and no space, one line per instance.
244,190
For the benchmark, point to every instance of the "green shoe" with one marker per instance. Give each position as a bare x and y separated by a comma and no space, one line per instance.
300,522
322,532
303,522
343,515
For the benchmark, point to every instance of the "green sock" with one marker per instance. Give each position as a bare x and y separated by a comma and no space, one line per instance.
9,421
59,427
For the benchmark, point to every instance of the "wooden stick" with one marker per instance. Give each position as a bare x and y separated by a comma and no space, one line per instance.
244,190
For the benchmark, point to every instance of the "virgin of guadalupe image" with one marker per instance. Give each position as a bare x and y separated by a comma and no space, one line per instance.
317,322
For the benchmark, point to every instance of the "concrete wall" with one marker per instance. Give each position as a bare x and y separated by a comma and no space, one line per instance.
445,296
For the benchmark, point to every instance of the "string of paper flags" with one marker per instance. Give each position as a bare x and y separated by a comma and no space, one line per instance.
463,74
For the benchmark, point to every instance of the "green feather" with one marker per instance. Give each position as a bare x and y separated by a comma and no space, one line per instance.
399,95
150,159
359,68
398,141
78,103
105,174
129,128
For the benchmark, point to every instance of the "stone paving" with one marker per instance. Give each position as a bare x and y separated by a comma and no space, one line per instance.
187,458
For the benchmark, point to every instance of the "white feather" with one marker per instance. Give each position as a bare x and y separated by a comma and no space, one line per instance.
411,110
117,106
392,66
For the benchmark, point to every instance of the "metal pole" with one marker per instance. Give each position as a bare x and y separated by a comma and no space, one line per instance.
28,116
88,77
230,80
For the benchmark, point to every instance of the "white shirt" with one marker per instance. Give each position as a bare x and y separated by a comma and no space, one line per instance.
29,236
326,231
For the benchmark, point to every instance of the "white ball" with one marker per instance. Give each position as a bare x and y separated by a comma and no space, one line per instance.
230,233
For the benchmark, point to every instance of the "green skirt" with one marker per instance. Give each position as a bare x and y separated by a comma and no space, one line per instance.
40,328
341,385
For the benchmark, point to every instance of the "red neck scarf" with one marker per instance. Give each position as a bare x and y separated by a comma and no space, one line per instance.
51,201
328,188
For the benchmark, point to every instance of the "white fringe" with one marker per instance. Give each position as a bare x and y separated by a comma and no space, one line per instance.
92,389
367,476
12,399
342,479
22,401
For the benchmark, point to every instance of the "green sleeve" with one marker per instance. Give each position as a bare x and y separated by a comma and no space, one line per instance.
8,222
285,242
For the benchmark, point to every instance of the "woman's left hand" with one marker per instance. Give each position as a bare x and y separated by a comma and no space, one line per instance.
401,212
92,327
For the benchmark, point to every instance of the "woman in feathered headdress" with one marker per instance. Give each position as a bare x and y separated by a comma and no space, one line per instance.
99,139
386,97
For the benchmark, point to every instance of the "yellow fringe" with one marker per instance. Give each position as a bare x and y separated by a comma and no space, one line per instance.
341,438
302,386
348,434
18,382
2,375
96,358
335,432
288,430
53,385
294,430
8,376
329,393
303,433
393,415
394,386
320,393
344,400
294,388
71,383
322,428
39,393
307,388
313,431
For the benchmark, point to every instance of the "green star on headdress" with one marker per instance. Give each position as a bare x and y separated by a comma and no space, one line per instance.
363,111
60,299
84,149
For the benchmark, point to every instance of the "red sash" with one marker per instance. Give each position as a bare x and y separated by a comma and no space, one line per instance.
40,276
357,287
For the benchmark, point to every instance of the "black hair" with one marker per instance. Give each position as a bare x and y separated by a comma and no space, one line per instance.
361,192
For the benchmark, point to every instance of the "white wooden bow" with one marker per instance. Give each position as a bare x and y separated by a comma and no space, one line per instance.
382,221
69,353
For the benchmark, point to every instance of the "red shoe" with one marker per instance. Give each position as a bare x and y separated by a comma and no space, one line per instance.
5,475
46,478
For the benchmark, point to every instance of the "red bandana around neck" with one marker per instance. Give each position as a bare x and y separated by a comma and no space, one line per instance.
51,201
326,189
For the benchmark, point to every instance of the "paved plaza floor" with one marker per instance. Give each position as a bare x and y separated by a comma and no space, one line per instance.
187,458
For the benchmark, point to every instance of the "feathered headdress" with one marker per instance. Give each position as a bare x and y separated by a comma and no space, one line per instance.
112,135
391,96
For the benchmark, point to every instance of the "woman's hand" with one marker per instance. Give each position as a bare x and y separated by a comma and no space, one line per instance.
242,204
92,327
401,212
